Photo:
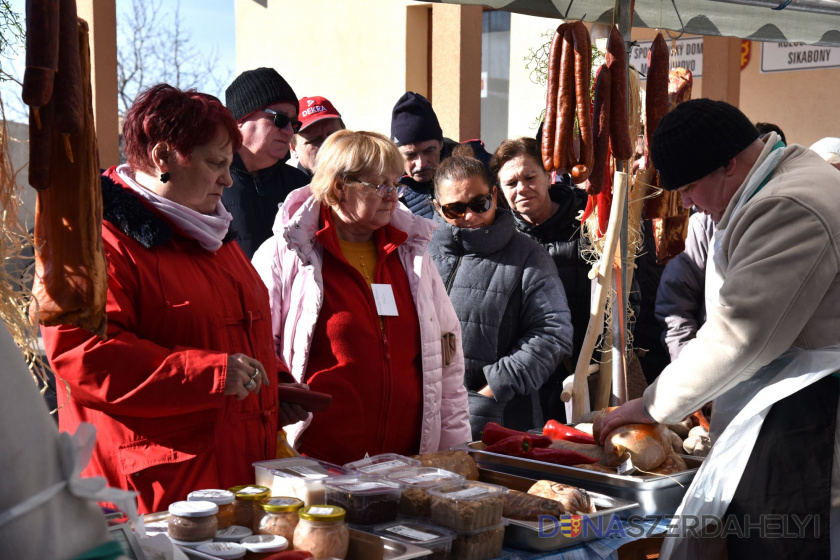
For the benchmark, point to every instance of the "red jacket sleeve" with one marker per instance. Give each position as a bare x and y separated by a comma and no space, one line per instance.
126,374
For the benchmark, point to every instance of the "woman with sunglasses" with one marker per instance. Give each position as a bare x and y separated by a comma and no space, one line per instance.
360,312
507,295
548,214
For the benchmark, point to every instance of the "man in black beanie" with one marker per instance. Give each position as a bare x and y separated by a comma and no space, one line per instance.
266,109
770,342
416,132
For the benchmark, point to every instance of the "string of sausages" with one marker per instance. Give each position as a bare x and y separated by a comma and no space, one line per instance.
568,97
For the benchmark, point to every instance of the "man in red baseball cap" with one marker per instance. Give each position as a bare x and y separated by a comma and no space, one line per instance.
319,119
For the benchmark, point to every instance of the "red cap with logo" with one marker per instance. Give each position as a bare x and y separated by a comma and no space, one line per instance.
314,109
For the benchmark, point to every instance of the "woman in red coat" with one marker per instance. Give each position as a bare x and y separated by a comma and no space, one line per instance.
183,392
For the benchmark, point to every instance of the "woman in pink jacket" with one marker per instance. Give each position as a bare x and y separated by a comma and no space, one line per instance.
359,311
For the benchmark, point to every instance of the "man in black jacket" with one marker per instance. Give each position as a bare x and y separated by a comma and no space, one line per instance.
416,132
266,110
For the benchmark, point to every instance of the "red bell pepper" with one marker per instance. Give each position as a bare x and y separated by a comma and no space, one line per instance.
515,446
494,432
555,430
560,457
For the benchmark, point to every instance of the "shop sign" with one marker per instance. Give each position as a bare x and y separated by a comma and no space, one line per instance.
786,57
689,55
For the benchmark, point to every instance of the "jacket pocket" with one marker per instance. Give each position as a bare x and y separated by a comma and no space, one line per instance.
448,346
483,410
171,448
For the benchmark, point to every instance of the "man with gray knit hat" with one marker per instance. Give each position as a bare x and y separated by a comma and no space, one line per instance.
770,342
266,109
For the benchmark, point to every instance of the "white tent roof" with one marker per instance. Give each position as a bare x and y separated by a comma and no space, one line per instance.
809,21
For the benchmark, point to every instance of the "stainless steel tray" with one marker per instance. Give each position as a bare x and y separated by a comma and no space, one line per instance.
525,535
654,494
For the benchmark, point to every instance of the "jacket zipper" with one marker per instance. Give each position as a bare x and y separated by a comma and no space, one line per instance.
451,279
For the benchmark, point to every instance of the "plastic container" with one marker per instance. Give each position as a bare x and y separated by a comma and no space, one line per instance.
234,533
299,477
280,517
382,465
479,545
192,521
246,506
258,547
223,550
226,515
436,539
368,500
322,531
416,501
467,506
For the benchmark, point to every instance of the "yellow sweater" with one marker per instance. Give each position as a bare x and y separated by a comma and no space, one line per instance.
363,257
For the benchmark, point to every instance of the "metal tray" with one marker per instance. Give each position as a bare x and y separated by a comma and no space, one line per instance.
654,494
525,535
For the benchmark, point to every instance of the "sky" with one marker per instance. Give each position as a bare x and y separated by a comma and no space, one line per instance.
209,23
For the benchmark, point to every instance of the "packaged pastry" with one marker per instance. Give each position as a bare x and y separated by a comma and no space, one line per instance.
192,521
299,477
436,539
416,481
467,506
383,464
368,500
322,531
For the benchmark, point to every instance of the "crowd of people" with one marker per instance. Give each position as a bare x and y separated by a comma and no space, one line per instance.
429,286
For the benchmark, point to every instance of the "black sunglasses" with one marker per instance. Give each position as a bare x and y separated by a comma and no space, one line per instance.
281,120
480,204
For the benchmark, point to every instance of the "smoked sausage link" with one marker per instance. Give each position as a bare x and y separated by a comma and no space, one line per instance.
583,101
656,100
41,51
553,83
601,129
69,104
565,103
622,147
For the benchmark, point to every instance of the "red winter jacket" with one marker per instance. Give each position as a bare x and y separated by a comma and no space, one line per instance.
155,388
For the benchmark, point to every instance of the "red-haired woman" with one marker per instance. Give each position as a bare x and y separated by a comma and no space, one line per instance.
184,390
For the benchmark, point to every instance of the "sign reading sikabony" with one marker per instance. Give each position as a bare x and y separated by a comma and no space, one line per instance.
786,57
689,55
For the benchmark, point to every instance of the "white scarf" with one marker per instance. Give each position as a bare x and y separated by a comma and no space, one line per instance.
208,229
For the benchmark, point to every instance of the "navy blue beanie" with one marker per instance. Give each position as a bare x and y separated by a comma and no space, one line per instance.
413,120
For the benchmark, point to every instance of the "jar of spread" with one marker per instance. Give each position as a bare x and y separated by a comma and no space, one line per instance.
221,498
280,517
192,521
259,547
246,506
322,531
234,533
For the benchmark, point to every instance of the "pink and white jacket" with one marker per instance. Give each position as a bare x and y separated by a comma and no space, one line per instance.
290,265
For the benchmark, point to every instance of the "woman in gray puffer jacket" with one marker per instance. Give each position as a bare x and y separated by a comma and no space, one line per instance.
506,292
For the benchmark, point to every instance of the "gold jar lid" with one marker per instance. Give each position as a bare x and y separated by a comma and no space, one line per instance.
251,492
322,513
281,505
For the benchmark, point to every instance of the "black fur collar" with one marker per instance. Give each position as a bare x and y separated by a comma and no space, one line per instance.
124,209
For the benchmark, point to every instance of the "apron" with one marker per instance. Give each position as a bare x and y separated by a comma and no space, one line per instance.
739,415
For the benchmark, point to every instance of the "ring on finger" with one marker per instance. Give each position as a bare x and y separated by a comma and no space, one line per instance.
250,385
256,373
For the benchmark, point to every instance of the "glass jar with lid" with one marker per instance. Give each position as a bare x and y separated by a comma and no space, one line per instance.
192,521
222,498
246,506
322,531
280,517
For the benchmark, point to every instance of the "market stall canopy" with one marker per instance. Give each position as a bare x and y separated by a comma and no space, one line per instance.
809,21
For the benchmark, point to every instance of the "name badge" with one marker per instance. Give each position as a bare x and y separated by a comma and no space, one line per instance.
383,295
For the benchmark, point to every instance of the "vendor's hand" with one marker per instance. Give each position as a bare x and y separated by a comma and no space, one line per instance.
241,372
631,412
486,391
292,413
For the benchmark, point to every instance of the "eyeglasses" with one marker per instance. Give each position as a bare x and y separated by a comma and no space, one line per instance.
281,120
480,204
383,190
